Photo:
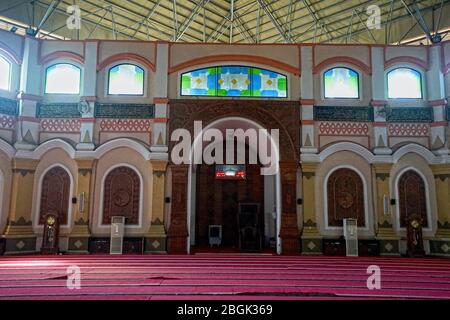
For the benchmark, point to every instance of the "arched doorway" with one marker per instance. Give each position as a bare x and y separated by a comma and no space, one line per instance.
221,200
412,197
55,194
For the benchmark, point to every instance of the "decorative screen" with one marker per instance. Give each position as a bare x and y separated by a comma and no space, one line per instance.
62,78
126,79
5,74
404,83
341,83
234,81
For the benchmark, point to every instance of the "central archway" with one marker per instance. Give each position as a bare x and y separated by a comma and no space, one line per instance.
270,207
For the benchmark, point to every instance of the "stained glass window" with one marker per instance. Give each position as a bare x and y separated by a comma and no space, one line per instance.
341,83
126,79
234,81
62,78
5,74
404,83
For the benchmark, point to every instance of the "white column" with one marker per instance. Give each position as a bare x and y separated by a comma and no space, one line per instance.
307,101
379,102
29,94
87,101
161,100
436,98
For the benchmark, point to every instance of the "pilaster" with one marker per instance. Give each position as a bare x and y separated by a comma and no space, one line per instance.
19,234
79,237
311,238
155,239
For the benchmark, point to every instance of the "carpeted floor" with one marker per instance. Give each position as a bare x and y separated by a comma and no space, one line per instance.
222,276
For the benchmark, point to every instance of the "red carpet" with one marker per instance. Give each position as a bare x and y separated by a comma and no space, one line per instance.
212,276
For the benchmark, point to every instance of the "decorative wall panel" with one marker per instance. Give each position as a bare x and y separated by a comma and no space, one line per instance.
8,106
345,197
57,110
408,114
358,114
55,194
121,196
139,111
412,197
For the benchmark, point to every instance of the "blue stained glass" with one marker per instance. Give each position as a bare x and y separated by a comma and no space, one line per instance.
234,81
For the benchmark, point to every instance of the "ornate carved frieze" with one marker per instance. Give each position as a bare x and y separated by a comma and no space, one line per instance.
334,113
282,115
115,110
407,114
57,110
9,107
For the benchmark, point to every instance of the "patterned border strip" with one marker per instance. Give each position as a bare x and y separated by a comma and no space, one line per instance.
61,125
407,114
9,107
409,129
354,114
138,111
57,110
132,125
343,128
7,121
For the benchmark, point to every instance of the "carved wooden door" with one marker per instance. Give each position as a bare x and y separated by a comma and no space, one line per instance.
412,197
121,196
345,197
55,194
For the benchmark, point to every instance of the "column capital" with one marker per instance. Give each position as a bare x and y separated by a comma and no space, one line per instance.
159,165
309,167
24,164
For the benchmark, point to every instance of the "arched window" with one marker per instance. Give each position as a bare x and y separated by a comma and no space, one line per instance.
55,194
234,81
345,192
62,78
5,74
412,197
404,83
341,83
126,79
121,195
